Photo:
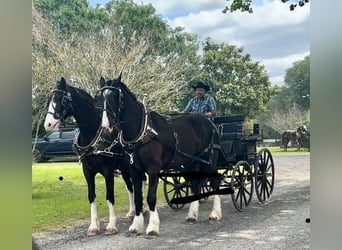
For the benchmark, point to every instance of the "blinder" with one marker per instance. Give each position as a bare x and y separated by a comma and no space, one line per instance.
66,103
108,108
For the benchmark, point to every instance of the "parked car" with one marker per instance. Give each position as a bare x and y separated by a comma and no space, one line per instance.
54,144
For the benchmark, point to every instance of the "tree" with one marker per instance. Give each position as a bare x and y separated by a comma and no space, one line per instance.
290,119
68,16
297,82
240,86
288,109
82,58
245,5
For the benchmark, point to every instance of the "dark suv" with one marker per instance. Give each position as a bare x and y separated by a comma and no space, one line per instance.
54,144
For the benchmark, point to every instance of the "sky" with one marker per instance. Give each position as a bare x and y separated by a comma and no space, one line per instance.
273,35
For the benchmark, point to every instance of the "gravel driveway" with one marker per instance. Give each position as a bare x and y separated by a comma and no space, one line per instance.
279,224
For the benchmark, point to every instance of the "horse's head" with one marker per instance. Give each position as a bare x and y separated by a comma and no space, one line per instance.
59,107
302,129
111,104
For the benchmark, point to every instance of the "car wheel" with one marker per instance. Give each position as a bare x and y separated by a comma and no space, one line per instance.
37,156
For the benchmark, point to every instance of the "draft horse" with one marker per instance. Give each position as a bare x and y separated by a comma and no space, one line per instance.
154,145
68,101
293,135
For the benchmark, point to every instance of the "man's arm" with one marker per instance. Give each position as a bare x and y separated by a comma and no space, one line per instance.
212,107
188,107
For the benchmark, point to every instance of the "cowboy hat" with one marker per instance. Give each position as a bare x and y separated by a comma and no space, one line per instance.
201,85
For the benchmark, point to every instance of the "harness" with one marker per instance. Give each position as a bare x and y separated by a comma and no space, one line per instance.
66,102
146,134
98,146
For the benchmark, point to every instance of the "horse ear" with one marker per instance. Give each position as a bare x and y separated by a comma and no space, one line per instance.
119,78
62,83
102,82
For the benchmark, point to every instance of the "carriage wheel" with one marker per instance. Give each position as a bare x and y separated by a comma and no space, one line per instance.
175,187
205,189
264,175
243,185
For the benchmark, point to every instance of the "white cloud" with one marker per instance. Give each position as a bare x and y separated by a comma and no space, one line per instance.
272,35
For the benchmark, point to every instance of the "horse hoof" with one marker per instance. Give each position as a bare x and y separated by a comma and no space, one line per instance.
152,233
93,232
214,218
134,231
111,231
192,220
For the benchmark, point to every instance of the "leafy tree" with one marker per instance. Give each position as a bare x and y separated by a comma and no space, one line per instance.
297,82
70,16
245,5
240,86
288,109
83,57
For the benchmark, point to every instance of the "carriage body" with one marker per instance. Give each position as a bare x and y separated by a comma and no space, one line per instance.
243,168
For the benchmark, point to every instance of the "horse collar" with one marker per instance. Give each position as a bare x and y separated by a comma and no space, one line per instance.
146,133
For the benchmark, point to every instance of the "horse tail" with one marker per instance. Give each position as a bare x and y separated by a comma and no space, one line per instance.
283,138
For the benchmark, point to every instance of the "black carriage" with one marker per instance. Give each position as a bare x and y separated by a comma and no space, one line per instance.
242,168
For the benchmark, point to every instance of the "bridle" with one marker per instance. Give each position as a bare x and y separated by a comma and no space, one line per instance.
66,103
107,107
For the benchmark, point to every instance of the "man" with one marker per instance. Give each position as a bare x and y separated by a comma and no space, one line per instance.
202,103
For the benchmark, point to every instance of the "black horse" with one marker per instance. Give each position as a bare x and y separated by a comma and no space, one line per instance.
188,143
71,101
293,135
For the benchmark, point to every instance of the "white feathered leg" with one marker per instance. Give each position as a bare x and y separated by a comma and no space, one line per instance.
137,226
154,222
111,227
216,213
94,228
131,212
193,211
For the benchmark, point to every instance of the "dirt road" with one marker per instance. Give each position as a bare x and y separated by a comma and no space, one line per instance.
280,224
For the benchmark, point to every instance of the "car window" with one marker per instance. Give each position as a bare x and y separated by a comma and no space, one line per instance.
68,135
53,136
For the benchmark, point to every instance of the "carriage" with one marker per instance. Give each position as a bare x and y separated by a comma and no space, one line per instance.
242,168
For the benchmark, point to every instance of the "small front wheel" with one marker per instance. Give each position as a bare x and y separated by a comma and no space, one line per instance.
175,187
264,175
242,184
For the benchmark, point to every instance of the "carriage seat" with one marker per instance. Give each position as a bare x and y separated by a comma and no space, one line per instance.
230,129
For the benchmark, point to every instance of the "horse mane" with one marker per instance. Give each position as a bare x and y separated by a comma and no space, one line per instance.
124,87
89,99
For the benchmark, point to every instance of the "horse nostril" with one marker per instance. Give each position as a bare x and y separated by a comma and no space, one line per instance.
49,124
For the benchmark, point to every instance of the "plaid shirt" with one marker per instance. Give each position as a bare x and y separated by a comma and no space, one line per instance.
196,105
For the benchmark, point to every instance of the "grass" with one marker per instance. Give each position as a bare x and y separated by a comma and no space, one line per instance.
289,152
63,203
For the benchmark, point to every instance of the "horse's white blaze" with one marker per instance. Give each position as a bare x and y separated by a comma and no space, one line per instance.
131,211
105,120
137,225
112,218
193,211
153,225
50,123
93,218
216,212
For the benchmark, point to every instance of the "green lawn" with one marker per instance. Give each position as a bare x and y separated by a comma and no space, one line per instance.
290,151
57,204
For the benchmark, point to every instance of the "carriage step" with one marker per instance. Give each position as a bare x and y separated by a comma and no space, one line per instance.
190,175
191,198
